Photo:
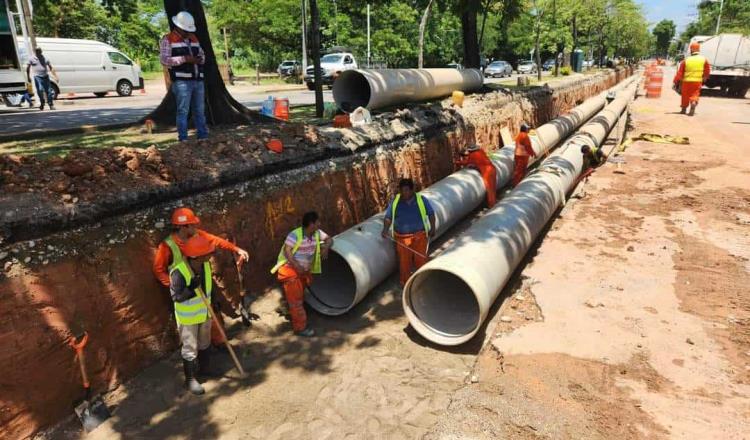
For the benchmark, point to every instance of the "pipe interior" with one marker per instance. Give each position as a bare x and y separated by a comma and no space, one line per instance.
443,302
351,90
336,287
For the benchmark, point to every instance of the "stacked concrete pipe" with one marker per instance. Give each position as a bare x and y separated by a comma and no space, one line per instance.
375,89
448,299
360,258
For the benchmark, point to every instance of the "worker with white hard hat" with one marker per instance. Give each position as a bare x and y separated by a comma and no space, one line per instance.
182,55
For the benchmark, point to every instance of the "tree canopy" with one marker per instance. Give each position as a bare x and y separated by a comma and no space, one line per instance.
664,32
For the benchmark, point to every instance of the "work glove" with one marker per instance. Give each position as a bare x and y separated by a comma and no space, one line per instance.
183,296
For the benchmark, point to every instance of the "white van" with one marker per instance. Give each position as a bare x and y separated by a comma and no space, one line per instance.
87,66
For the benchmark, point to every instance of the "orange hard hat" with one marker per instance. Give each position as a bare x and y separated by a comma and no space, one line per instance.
695,47
197,246
184,216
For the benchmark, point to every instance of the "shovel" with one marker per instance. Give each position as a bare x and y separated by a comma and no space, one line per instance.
92,412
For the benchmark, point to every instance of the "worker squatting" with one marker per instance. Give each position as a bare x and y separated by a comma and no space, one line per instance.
182,259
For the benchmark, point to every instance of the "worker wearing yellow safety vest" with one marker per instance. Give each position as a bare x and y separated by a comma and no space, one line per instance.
190,277
410,222
692,73
300,257
592,157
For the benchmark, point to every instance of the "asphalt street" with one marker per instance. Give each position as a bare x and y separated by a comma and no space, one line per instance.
86,109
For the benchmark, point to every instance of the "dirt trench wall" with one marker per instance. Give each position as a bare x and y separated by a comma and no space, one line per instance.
98,278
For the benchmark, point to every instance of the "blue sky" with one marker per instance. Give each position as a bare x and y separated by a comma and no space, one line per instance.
681,12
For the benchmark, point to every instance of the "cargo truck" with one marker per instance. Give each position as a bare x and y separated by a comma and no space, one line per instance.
12,76
729,56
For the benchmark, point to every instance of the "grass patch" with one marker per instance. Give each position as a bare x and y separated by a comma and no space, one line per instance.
305,114
63,145
157,74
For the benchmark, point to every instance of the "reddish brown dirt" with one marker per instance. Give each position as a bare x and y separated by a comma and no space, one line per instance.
98,277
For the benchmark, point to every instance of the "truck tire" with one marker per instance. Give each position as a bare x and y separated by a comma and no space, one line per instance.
310,86
124,88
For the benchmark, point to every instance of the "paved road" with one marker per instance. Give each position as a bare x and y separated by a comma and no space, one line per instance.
89,110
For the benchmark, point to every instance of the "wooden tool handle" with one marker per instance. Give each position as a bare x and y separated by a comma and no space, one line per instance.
221,330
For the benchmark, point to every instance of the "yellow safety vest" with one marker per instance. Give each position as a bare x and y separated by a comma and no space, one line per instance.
694,65
192,311
281,260
422,212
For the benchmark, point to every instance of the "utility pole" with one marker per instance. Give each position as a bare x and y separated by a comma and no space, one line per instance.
304,37
368,35
718,20
25,10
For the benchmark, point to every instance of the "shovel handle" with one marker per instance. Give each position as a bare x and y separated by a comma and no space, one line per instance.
219,327
78,346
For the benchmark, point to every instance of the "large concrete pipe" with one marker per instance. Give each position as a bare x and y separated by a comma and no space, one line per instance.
360,258
375,89
448,298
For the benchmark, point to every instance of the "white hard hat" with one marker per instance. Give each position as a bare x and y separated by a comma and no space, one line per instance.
185,21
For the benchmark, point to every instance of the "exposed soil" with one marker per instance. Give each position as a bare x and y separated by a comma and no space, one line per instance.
642,285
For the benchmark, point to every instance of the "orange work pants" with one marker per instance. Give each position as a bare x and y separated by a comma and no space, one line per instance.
294,285
519,169
489,176
409,261
691,91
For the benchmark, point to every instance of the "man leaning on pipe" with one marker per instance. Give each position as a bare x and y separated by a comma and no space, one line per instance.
300,258
409,222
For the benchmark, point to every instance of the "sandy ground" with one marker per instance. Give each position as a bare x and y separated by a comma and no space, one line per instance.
632,320
642,286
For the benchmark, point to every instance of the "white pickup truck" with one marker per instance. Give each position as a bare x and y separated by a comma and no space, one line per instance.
331,66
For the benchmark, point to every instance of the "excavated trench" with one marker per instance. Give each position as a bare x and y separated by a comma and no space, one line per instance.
97,277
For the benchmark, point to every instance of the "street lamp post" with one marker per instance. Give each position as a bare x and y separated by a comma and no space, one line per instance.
718,19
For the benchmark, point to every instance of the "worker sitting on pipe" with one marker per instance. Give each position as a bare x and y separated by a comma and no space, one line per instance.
410,222
476,158
300,258
592,157
521,155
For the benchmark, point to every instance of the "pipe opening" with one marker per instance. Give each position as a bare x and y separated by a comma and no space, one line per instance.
351,90
334,289
443,302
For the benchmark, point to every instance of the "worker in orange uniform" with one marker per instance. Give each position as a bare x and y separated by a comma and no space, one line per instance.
692,73
299,259
190,277
184,223
475,157
523,151
410,222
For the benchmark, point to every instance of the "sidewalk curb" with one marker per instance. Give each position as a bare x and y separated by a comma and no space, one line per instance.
37,133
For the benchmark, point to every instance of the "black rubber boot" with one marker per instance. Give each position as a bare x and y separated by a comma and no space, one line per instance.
204,362
191,383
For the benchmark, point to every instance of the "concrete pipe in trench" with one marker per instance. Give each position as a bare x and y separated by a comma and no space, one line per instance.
448,298
377,88
360,258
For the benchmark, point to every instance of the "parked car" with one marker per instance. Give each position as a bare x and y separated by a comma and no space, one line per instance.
549,64
498,69
289,68
331,66
87,66
526,67
455,66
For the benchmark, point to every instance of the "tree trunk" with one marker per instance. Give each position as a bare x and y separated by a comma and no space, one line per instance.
469,29
538,57
485,10
422,26
315,48
221,107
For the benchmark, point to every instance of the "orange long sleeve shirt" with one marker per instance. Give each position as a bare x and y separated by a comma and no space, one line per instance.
478,159
164,254
523,145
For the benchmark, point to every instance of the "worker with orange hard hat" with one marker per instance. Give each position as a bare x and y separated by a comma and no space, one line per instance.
190,277
692,73
523,151
171,251
476,158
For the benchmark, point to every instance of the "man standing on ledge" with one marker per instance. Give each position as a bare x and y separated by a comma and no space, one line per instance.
693,72
181,53
410,221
